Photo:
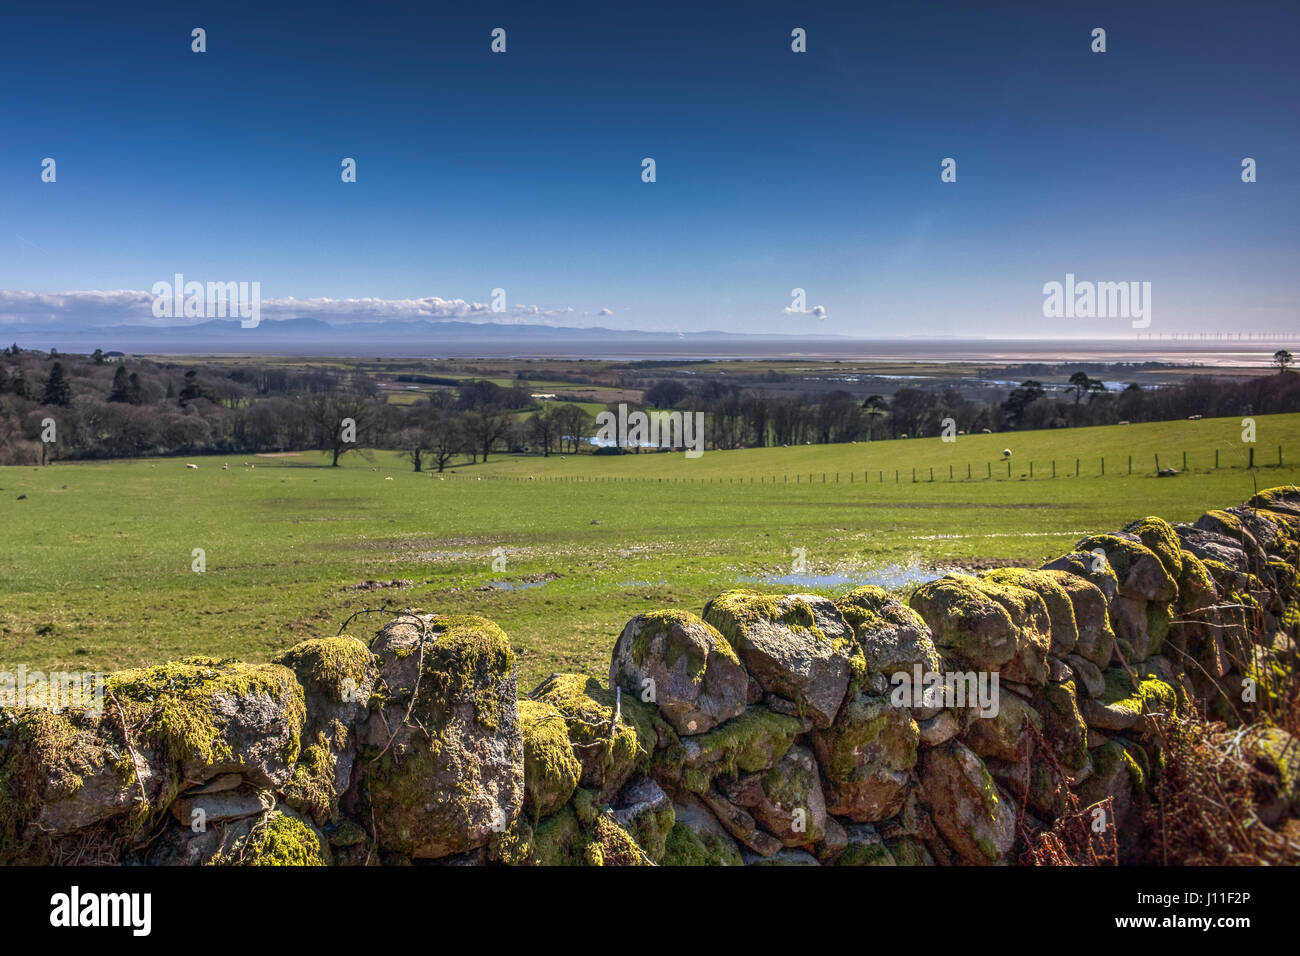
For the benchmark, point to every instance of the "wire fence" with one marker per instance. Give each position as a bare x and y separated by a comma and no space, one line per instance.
1002,469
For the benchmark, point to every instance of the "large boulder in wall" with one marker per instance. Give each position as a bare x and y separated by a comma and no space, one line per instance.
867,757
1140,571
1060,607
445,751
985,626
798,647
893,638
974,815
697,680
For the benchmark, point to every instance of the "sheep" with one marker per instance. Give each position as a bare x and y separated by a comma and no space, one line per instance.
1006,453
195,467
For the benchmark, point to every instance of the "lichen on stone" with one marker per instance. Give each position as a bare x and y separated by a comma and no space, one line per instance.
184,710
661,622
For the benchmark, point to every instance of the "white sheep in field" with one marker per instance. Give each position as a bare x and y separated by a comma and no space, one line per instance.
1006,453
195,467
388,478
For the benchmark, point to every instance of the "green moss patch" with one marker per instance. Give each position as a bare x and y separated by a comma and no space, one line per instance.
1159,537
278,840
175,706
686,847
338,665
752,742
551,770
609,753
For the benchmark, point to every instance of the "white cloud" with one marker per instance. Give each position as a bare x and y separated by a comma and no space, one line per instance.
132,307
104,308
817,311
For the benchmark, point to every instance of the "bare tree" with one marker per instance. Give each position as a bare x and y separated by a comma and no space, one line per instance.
543,428
339,421
486,426
446,437
413,441
574,424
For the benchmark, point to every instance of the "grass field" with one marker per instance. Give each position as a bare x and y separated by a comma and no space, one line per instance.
95,561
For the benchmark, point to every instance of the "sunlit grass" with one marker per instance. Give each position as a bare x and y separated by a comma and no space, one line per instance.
95,562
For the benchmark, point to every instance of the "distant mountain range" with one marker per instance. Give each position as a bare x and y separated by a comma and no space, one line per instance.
305,336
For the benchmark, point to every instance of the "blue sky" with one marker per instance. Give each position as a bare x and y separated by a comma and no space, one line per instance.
775,170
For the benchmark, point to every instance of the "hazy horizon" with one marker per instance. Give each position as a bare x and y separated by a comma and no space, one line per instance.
618,345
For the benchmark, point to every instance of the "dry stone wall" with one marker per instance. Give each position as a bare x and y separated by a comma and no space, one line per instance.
770,729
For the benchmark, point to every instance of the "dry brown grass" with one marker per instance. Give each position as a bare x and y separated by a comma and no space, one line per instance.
1080,836
1206,798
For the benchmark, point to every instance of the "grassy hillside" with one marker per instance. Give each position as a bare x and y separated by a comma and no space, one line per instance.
1199,440
95,561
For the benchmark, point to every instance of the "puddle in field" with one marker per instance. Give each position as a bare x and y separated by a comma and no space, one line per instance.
530,581
888,577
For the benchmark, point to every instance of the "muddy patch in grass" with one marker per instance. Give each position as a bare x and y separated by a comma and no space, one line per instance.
379,585
525,583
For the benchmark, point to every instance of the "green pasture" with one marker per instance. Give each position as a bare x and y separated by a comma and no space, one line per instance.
96,558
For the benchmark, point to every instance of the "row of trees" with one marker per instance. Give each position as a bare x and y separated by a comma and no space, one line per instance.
108,407
742,419
103,407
